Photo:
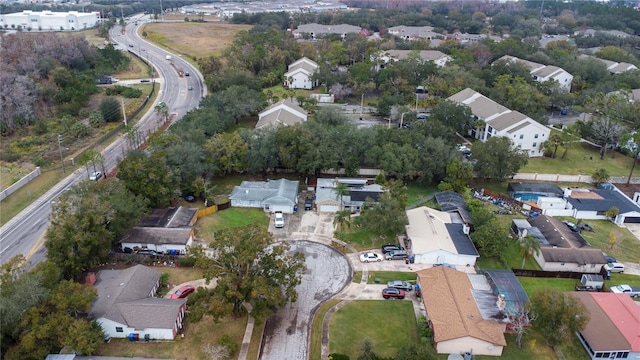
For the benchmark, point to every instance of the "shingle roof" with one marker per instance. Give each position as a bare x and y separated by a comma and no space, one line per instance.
158,236
451,308
150,312
431,55
282,113
275,192
603,201
327,29
508,119
564,245
614,322
169,217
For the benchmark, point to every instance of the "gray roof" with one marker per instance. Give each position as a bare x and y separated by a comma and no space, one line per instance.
546,189
461,241
564,244
158,236
507,120
273,192
608,199
305,64
124,296
284,116
170,217
450,201
359,190
318,29
430,55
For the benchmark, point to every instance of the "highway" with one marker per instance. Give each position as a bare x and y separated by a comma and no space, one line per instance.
24,234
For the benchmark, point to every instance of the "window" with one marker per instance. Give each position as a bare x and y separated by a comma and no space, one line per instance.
535,144
535,136
522,136
119,329
622,355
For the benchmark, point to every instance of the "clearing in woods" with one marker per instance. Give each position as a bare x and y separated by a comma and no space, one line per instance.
194,39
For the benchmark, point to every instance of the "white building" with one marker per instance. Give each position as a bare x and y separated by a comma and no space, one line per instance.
50,21
542,73
437,57
523,131
300,74
282,113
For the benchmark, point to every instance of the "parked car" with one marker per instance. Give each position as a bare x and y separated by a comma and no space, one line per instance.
186,73
585,227
609,259
390,247
146,252
573,227
308,203
632,291
396,255
614,267
96,176
278,219
399,284
370,257
190,87
183,292
388,293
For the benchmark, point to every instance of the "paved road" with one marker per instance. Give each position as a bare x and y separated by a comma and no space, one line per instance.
24,234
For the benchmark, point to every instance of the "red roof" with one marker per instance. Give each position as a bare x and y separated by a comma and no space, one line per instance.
624,313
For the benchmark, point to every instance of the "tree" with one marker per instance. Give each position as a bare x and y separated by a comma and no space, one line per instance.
601,175
497,158
388,215
608,113
342,219
459,174
453,115
366,351
516,94
149,177
251,267
612,213
520,319
491,238
558,315
162,109
528,245
227,152
634,141
110,109
341,190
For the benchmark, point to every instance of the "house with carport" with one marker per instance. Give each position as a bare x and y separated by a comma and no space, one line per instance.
300,74
560,248
270,195
433,238
613,329
283,113
524,132
463,319
126,306
358,191
166,231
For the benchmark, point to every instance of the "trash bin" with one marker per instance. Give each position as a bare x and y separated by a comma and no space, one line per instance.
412,259
147,337
563,112
295,208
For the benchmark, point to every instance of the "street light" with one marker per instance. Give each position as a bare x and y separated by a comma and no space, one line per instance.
402,118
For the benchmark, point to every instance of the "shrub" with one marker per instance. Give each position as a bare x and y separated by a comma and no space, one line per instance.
9,155
38,161
110,110
336,356
226,341
188,261
40,127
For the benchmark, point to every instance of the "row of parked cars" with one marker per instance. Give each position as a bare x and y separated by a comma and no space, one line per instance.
389,252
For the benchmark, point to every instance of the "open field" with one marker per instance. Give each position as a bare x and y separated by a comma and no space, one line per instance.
196,40
362,320
229,218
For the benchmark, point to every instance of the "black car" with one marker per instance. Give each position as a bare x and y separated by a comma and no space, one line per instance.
390,247
308,203
610,259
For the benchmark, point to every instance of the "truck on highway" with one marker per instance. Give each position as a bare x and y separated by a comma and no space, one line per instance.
168,57
632,291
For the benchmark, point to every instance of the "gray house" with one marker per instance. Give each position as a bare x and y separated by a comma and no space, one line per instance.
270,195
358,191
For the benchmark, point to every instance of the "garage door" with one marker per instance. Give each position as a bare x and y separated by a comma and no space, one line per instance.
632,220
329,208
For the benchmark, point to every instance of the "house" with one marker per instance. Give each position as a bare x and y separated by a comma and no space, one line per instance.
470,39
433,238
300,74
613,329
542,73
593,204
165,231
612,66
270,195
437,57
409,33
315,31
529,191
357,193
282,113
459,315
523,131
560,248
126,305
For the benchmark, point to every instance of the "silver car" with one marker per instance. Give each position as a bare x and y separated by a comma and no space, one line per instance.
399,284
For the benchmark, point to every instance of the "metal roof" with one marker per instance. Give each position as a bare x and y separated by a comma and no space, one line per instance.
450,201
505,282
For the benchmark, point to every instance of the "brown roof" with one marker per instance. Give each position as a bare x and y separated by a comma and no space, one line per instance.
452,309
600,332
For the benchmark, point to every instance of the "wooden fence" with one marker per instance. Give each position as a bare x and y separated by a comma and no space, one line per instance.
206,211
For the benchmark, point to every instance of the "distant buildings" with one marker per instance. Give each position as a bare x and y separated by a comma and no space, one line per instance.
612,66
49,20
316,31
437,57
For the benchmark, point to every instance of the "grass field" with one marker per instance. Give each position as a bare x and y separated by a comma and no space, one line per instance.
196,40
229,218
581,159
626,247
386,276
316,328
366,320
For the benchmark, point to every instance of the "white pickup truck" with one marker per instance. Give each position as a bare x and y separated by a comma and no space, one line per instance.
632,291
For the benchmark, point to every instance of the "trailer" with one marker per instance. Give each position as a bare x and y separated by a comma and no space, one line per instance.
590,282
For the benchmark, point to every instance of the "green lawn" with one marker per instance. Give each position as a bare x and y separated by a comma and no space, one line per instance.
626,247
386,276
581,159
531,284
315,348
369,320
229,218
364,239
418,192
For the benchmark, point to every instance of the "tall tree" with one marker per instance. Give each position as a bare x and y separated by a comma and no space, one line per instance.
491,238
529,245
250,267
608,114
497,158
226,152
453,115
388,215
149,177
558,315
633,139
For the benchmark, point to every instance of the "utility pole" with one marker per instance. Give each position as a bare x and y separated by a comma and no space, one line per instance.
161,11
60,149
124,112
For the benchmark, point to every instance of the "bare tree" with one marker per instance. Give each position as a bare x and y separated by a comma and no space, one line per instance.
520,319
217,352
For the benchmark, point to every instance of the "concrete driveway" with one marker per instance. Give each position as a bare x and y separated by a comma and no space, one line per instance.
287,332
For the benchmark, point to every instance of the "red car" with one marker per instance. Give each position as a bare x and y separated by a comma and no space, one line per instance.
183,292
393,293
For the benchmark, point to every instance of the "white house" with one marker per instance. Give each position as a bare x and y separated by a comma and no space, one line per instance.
432,238
542,73
613,66
270,195
315,30
560,248
437,57
358,190
300,73
49,20
523,131
165,231
282,113
126,306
